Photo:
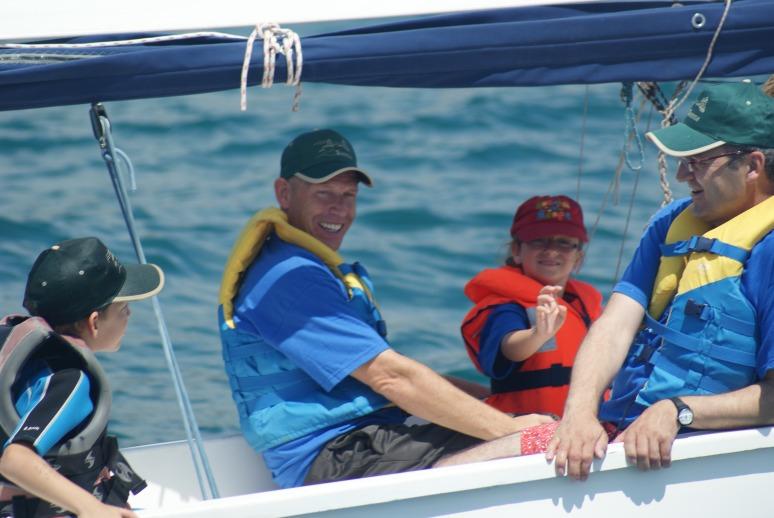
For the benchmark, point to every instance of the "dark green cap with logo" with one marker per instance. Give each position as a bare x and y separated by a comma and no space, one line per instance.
730,113
318,156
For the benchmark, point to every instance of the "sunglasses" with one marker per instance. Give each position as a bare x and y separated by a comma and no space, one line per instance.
561,244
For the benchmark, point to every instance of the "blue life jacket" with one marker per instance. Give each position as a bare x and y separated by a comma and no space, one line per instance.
705,341
276,401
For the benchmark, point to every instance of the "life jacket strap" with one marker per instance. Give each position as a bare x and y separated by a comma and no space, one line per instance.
691,343
692,379
704,312
704,244
557,375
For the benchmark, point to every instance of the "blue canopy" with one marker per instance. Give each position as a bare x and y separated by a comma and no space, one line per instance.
583,43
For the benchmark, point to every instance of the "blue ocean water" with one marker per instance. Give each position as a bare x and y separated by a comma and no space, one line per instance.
450,167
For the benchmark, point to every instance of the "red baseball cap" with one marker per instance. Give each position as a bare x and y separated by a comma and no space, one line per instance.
545,216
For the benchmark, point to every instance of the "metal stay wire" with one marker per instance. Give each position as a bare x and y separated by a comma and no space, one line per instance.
104,136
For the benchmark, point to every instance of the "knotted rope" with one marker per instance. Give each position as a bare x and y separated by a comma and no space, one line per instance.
276,40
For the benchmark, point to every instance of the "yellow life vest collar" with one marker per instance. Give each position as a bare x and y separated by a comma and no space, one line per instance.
249,243
679,274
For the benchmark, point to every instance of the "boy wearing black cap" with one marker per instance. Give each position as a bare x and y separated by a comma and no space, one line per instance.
54,398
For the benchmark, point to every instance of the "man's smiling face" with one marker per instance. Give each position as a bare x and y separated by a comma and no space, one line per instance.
325,210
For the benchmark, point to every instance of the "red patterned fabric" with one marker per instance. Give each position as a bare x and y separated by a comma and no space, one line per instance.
535,439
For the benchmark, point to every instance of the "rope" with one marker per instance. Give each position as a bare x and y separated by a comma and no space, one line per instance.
582,141
613,186
201,463
669,111
630,126
136,41
630,209
275,41
675,102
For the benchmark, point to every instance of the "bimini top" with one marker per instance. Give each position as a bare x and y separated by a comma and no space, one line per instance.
568,44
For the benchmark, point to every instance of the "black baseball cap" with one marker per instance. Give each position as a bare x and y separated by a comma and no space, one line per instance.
71,279
319,155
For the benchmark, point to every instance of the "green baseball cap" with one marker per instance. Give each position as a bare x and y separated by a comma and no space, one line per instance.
319,155
729,113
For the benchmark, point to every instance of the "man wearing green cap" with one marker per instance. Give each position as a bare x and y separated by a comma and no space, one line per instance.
689,328
318,389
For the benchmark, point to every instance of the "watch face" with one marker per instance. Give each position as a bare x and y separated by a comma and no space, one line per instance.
685,416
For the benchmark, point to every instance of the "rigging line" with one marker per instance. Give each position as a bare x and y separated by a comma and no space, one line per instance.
614,181
582,141
630,126
116,43
631,206
676,103
103,133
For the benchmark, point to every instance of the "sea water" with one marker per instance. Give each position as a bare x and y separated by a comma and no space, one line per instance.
450,167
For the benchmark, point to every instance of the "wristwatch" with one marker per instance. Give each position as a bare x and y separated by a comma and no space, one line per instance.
684,412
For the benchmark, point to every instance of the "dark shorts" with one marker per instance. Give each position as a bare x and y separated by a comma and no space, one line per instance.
383,449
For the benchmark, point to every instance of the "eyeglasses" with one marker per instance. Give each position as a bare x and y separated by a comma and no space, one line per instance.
692,164
560,244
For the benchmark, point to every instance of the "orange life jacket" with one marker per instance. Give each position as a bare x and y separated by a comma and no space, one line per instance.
542,381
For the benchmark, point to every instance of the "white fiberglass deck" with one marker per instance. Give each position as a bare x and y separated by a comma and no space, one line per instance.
720,474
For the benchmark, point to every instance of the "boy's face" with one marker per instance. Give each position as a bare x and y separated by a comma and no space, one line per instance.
111,326
549,260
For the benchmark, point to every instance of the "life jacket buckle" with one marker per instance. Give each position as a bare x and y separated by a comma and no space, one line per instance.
695,309
702,244
646,353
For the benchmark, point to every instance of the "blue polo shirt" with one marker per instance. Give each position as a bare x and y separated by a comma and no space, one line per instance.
306,315
637,283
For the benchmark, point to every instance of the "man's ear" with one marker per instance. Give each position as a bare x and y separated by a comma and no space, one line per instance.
757,166
282,192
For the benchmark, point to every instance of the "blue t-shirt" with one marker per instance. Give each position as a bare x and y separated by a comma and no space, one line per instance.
502,320
637,283
306,315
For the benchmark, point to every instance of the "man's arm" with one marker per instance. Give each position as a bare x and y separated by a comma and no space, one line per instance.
648,440
580,437
25,468
421,392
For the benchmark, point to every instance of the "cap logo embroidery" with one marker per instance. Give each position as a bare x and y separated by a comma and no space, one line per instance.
553,209
700,106
332,147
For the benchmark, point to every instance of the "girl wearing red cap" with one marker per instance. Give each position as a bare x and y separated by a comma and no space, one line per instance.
530,316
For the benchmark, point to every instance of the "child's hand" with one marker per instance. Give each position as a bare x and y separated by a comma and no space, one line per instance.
550,315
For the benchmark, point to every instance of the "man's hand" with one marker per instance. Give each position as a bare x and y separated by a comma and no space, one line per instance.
577,440
549,314
648,440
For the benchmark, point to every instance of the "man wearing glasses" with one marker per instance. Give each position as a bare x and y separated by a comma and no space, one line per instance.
689,329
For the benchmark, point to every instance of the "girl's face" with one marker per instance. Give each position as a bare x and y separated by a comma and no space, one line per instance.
549,260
